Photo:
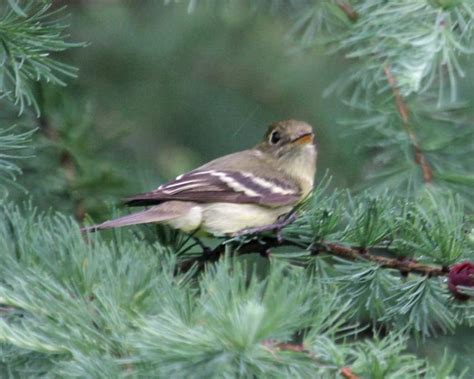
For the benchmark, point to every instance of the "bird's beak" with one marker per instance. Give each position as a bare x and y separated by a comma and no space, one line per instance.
303,139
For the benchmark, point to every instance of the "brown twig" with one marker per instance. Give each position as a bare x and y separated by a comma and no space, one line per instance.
263,246
346,372
404,266
402,108
295,347
348,10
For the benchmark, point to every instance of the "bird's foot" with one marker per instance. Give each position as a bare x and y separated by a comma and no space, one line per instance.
206,250
277,227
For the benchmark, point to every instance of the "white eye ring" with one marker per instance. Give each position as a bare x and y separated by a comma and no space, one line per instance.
275,137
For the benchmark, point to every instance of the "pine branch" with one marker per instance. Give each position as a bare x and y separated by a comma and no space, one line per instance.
345,372
402,108
29,34
264,245
348,10
10,144
404,266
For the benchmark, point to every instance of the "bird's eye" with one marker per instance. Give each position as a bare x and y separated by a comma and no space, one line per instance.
275,137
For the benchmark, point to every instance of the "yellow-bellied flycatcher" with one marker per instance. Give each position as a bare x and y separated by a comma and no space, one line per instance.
239,192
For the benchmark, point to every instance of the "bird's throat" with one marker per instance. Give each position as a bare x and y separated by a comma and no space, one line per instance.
302,167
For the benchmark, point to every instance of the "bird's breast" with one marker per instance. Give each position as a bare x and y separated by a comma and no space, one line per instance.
303,169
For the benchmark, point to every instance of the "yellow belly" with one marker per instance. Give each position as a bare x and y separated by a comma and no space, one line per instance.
227,218
189,222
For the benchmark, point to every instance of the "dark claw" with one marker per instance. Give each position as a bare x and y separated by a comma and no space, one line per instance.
206,250
279,236
266,253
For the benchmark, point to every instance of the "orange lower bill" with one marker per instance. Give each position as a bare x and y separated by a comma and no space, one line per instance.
304,139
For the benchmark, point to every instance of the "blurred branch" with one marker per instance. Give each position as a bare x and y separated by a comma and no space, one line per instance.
66,159
263,246
346,372
402,108
348,10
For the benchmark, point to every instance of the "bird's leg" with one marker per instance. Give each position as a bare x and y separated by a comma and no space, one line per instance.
206,250
277,226
285,220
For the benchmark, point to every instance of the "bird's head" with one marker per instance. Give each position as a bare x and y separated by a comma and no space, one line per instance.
289,138
292,143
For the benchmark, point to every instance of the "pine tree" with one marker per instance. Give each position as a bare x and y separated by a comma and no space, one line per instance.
352,283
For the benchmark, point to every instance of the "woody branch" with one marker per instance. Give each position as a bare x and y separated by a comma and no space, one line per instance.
402,108
264,245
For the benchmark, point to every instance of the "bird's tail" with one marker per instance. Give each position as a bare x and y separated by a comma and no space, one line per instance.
159,213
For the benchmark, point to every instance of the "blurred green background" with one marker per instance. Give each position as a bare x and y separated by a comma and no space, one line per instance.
186,88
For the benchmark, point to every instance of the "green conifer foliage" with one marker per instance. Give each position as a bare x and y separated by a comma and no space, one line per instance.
353,284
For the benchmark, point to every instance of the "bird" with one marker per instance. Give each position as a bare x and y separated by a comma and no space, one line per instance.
246,192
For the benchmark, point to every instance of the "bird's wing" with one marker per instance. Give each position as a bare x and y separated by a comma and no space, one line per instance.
206,185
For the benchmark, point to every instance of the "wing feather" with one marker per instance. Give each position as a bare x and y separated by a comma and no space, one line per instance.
206,186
